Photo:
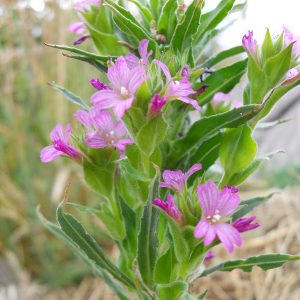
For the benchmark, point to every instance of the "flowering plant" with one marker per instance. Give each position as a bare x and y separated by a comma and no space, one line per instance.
163,203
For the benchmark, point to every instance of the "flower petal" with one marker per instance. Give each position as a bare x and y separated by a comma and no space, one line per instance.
164,68
193,169
95,140
228,201
228,235
49,153
201,229
208,195
105,98
121,144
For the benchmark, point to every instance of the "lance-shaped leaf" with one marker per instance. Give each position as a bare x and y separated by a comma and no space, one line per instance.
172,291
151,134
237,151
265,262
168,19
184,31
223,55
275,96
69,95
147,236
131,28
75,231
207,153
100,58
238,178
208,126
99,271
210,20
248,205
222,80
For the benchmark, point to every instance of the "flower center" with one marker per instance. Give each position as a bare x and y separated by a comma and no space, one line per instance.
110,137
124,92
214,218
176,82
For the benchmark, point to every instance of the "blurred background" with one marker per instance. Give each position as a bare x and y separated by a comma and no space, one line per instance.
33,263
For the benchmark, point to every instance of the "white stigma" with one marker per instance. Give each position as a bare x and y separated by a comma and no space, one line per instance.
112,132
176,82
124,92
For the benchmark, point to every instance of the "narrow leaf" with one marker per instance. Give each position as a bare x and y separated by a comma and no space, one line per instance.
265,262
69,95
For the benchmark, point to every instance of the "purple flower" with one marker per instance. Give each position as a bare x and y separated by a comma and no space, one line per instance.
175,180
289,38
216,205
61,145
245,224
178,90
225,98
133,61
81,39
98,85
169,207
292,73
209,255
157,104
81,5
125,82
249,43
104,130
185,72
77,28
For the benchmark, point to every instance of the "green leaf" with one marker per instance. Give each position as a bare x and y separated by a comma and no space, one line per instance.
207,153
145,12
74,230
210,20
275,96
129,27
69,95
100,179
106,44
222,80
90,61
184,31
248,205
237,179
151,134
87,54
166,266
237,150
265,262
181,247
208,126
267,48
223,55
147,236
172,291
58,232
168,20
155,6
276,67
130,241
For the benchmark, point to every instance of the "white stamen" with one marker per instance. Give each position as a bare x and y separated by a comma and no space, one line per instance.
176,82
111,132
124,92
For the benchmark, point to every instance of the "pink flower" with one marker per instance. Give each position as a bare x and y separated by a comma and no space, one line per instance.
245,224
105,131
81,5
289,38
77,28
216,205
185,72
249,43
209,255
178,90
61,145
292,73
98,85
157,104
175,180
169,207
133,61
225,98
125,82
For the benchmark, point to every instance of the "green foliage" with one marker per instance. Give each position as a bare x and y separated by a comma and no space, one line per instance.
172,290
266,262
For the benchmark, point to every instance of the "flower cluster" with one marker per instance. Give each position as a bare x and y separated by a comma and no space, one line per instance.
216,207
103,122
